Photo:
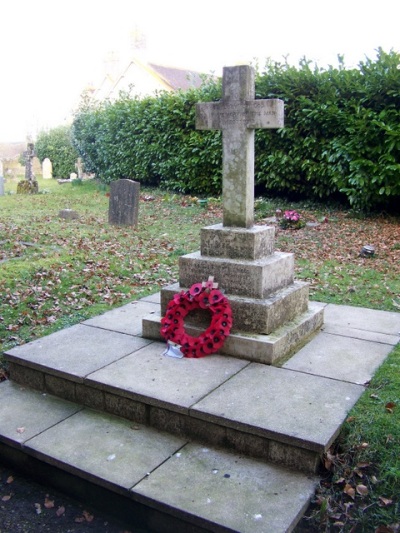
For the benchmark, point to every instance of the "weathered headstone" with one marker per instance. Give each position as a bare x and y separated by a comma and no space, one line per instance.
1,178
47,169
238,114
124,203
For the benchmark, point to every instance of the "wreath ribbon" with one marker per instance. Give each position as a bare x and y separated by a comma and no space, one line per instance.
205,295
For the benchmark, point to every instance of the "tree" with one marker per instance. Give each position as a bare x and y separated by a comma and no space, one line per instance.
56,144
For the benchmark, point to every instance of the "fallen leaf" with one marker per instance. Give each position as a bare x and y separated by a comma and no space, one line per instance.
349,490
49,504
38,508
60,511
6,498
362,490
384,502
20,430
10,479
79,519
363,465
88,517
390,406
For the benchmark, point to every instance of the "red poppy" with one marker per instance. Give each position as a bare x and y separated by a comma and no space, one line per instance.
195,289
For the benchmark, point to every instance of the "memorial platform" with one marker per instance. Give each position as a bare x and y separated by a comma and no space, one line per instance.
213,444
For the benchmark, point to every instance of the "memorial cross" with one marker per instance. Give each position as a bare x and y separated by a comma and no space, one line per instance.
29,154
238,114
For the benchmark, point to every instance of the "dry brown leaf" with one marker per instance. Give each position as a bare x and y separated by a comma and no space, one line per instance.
6,498
88,517
362,490
349,490
384,502
390,406
49,504
10,479
60,511
363,465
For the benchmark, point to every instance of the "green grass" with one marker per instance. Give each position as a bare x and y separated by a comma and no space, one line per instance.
55,273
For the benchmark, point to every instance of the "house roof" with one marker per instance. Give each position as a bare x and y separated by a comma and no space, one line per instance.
178,78
143,78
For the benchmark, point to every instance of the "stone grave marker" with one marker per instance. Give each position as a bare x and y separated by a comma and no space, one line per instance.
238,114
124,203
30,184
47,169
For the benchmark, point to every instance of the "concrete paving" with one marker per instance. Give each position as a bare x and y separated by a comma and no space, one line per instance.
164,450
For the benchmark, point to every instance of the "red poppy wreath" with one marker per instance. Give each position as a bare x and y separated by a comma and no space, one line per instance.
200,296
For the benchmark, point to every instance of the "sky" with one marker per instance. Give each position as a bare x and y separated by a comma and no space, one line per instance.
50,51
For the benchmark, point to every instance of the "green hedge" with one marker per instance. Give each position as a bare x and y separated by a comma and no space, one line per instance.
341,135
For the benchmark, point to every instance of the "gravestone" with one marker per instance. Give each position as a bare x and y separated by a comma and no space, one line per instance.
271,311
29,185
1,178
124,203
47,169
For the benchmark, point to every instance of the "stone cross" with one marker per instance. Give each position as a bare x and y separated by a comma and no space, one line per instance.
29,155
238,114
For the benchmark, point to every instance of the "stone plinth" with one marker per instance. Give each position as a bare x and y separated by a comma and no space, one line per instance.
237,243
252,315
253,279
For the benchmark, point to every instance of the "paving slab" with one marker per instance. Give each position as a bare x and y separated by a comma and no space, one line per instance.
111,451
165,381
125,319
227,492
337,357
358,318
25,413
76,351
154,298
281,404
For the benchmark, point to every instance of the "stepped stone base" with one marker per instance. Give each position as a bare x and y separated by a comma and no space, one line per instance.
261,316
260,348
237,243
253,279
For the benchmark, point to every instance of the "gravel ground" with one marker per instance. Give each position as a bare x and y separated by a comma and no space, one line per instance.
27,507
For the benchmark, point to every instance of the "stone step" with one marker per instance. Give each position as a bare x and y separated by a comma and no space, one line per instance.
164,483
253,315
256,347
279,415
176,441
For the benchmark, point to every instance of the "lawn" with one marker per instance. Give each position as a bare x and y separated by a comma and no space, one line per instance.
56,272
